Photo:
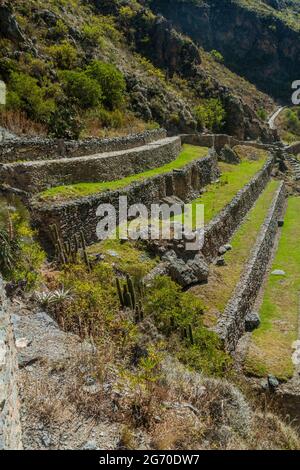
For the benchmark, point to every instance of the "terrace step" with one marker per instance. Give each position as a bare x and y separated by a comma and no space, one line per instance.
226,275
231,325
36,176
295,164
78,211
271,346
34,149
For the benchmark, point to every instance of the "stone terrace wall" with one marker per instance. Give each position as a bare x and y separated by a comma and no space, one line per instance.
221,228
43,149
40,175
231,325
10,427
218,141
80,214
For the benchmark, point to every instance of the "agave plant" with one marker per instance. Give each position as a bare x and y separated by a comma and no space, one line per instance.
53,297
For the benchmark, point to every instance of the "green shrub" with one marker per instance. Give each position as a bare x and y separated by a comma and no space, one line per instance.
170,306
30,259
111,119
9,249
25,94
66,123
262,114
111,80
99,28
21,257
206,354
293,121
210,114
85,90
217,56
65,55
94,298
176,312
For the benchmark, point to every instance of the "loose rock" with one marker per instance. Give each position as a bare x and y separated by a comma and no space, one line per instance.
252,321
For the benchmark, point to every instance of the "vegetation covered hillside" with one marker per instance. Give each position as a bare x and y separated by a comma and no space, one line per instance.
80,68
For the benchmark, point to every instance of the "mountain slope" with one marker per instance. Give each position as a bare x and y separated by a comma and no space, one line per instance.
167,76
259,40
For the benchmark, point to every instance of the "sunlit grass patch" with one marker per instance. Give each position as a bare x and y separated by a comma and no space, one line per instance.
233,179
127,257
271,349
189,154
223,280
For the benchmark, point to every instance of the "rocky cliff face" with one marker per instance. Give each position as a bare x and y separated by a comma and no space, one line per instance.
256,44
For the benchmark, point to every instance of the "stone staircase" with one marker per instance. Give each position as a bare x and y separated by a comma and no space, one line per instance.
295,164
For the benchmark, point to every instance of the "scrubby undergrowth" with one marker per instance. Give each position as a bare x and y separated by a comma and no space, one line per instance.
153,376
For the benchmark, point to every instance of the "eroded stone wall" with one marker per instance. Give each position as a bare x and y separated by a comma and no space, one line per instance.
231,325
80,214
10,427
43,149
37,176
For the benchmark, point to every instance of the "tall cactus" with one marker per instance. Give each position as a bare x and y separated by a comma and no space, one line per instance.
67,252
85,255
191,335
130,296
127,298
119,289
131,291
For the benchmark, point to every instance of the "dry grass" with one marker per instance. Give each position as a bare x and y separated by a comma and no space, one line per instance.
18,123
249,153
270,433
182,411
132,125
127,439
179,430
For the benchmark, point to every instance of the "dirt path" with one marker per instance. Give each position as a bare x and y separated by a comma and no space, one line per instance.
274,116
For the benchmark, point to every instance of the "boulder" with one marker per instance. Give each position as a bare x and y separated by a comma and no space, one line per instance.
273,382
228,247
222,251
252,321
228,155
187,273
220,261
9,27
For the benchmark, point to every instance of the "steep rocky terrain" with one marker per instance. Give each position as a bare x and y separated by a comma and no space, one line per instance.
168,77
258,39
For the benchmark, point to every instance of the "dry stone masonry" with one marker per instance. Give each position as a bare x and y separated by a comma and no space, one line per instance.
219,141
17,149
10,427
80,214
231,325
36,176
